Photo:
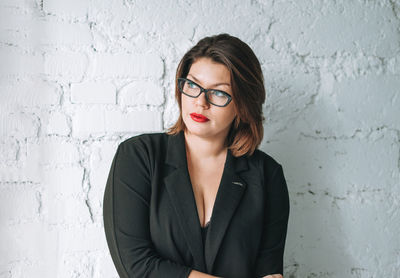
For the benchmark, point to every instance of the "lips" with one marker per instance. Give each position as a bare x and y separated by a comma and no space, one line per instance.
199,117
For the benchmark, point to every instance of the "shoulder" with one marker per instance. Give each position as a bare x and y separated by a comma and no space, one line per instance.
267,164
271,175
147,142
143,150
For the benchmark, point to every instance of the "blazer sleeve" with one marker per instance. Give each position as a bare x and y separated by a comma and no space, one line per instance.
270,256
126,217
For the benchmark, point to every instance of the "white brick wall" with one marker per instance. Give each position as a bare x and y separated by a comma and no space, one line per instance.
74,9
93,92
65,66
129,65
142,92
78,77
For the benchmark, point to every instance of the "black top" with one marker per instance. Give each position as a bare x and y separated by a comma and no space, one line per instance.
204,232
151,221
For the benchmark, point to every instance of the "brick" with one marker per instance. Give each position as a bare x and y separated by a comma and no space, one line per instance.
15,25
19,173
8,150
72,263
52,151
141,92
337,163
94,121
62,181
11,17
43,266
66,65
8,250
24,93
27,31
394,65
57,123
104,12
122,65
101,155
93,92
135,121
369,101
18,124
171,113
105,266
287,99
88,121
77,239
38,250
20,64
67,210
73,8
52,32
17,3
18,202
19,251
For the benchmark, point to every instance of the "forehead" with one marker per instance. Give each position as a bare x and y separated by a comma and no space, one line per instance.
207,71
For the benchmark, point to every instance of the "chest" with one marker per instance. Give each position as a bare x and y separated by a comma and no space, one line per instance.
205,179
237,217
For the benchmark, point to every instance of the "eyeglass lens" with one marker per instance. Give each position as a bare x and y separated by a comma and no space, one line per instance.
214,96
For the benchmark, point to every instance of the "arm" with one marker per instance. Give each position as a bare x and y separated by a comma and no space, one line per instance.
126,217
198,274
270,256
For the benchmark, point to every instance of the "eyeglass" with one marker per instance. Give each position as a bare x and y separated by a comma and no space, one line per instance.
215,97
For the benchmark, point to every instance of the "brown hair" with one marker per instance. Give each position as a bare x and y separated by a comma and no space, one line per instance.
247,85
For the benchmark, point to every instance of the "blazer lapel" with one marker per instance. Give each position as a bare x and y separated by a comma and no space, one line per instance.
180,190
181,194
230,192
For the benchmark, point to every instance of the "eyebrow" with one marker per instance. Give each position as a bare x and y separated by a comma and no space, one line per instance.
214,85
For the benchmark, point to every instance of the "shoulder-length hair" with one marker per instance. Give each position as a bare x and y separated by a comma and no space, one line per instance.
247,85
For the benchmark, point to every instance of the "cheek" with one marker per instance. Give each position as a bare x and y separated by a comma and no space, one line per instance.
185,103
227,117
231,114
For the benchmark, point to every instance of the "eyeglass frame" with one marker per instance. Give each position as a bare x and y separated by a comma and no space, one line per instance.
181,79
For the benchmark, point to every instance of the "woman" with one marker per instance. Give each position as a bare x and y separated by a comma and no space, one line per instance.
201,200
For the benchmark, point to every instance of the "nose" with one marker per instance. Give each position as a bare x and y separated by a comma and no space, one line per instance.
201,100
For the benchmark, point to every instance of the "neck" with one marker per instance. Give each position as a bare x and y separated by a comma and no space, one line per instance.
204,148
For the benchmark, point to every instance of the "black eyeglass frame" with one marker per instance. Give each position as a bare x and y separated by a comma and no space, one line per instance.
181,79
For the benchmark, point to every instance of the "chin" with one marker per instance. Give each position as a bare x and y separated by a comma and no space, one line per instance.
198,130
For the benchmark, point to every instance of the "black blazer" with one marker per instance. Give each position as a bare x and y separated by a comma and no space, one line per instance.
152,225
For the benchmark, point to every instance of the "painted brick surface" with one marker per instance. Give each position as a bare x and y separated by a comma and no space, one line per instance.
93,92
143,92
79,77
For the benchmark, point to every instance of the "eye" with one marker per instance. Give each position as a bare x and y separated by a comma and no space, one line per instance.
191,85
219,94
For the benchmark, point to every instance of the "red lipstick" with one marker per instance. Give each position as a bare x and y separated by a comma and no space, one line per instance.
199,118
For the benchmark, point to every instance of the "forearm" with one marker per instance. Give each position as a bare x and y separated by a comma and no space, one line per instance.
198,274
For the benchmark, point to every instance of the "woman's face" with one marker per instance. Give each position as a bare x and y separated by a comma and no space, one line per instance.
209,75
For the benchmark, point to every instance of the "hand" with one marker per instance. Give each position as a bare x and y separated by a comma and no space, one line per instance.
274,276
